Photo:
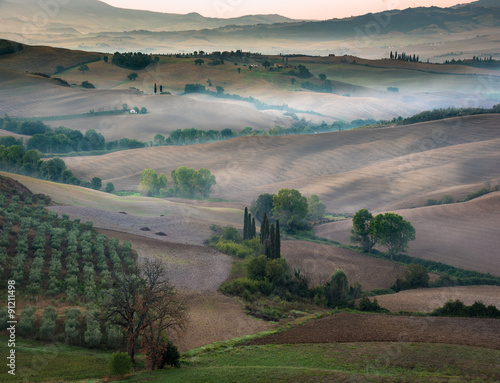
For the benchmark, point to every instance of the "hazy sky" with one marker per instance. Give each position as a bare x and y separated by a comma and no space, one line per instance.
298,9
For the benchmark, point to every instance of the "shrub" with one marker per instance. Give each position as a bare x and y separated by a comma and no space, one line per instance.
237,249
88,85
4,317
119,364
48,326
72,325
171,356
26,322
238,287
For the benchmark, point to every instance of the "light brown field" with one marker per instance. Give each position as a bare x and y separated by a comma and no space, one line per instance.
462,234
380,169
427,300
197,272
318,262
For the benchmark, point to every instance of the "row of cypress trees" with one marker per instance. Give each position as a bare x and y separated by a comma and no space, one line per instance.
248,226
270,238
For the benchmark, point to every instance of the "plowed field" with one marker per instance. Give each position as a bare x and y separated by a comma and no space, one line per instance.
345,327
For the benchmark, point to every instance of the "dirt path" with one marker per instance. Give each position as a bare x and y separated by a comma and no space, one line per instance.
345,327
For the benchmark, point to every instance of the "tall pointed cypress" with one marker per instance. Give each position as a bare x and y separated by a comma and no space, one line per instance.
278,240
272,243
264,229
254,233
155,87
249,226
245,224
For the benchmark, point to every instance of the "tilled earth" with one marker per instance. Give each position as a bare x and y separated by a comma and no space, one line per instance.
346,327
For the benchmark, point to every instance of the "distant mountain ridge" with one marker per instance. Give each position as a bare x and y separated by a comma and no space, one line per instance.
95,16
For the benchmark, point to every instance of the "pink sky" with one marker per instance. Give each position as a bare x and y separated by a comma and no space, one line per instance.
303,9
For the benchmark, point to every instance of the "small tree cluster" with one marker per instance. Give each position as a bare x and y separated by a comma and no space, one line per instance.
270,238
387,229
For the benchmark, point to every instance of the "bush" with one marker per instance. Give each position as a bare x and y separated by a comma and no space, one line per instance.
86,84
240,285
237,249
26,323
119,364
48,327
171,356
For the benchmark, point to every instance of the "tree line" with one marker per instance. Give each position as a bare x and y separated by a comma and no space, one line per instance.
133,60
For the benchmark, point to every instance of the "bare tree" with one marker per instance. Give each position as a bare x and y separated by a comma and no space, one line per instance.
144,304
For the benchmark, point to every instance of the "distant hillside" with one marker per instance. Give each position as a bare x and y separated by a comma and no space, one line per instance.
488,3
95,16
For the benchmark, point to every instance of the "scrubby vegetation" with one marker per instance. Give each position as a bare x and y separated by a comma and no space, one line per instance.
458,309
131,60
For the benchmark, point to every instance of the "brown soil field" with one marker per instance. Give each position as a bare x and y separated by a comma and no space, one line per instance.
427,300
318,262
346,327
380,169
197,272
461,234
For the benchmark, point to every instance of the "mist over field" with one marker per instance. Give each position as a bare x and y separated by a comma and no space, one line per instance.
275,198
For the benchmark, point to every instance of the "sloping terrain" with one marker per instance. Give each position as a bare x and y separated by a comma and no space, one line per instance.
318,262
378,169
427,300
345,327
461,234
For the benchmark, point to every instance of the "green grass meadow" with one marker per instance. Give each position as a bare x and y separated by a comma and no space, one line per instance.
343,362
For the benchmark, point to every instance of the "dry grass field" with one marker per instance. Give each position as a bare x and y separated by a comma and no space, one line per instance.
380,169
318,262
427,300
462,234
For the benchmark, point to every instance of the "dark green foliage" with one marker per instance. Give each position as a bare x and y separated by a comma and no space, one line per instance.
415,276
96,183
291,207
26,323
194,88
131,60
459,309
119,364
316,208
238,287
324,87
366,305
133,76
477,194
48,325
231,234
393,231
88,85
171,356
360,231
245,225
8,47
337,290
109,187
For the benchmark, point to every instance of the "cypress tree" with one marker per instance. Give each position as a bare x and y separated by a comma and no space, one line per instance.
245,224
278,240
249,226
254,233
264,230
272,243
155,87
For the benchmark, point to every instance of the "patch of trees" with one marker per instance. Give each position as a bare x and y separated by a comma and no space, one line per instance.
476,61
187,182
458,309
404,57
289,207
439,114
302,73
8,47
387,229
131,60
323,87
88,85
58,259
